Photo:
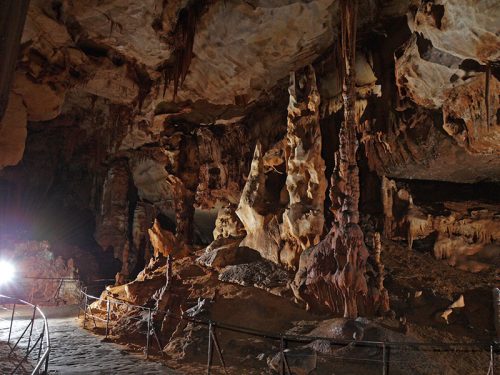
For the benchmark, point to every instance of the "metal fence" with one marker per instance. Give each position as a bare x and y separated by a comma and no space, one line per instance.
45,290
28,335
292,352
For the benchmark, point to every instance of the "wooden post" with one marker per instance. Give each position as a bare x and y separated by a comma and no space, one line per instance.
41,343
282,356
85,310
492,360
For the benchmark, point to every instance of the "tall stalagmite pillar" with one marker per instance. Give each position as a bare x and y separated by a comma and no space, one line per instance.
351,255
303,219
333,273
113,220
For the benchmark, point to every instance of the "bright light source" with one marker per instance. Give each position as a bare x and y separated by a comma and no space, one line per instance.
7,272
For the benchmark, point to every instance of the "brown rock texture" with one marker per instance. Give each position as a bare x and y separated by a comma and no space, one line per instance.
333,273
260,223
111,231
303,219
185,148
13,132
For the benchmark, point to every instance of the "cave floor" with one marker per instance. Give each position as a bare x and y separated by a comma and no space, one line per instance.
78,351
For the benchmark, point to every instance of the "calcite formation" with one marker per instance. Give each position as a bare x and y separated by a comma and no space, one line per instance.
209,132
465,234
333,273
165,243
112,227
260,223
303,219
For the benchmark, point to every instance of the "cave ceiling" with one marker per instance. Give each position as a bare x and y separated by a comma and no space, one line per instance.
210,62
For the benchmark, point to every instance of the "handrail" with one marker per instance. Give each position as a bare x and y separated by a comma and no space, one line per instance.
43,359
289,337
385,346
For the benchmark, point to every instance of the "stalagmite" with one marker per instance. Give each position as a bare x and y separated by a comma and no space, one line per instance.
303,219
388,188
333,272
112,225
165,242
261,226
382,292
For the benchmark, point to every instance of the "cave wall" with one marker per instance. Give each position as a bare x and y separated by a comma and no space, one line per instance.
125,120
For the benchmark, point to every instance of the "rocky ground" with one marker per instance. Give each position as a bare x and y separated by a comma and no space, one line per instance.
420,312
7,365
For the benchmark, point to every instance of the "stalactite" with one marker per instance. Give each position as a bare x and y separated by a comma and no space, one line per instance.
182,39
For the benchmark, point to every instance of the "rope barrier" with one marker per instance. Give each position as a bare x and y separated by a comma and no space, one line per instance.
385,346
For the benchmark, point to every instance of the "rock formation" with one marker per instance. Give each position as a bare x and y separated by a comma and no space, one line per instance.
465,234
209,132
303,219
333,272
112,227
260,222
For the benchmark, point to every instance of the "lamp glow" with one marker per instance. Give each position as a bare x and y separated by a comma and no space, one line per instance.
7,272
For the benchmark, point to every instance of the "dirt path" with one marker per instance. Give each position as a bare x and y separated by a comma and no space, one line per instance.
77,351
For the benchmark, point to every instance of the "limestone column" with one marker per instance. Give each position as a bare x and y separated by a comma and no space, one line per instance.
303,220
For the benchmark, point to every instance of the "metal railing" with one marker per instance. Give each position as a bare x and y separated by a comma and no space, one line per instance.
45,290
388,351
36,336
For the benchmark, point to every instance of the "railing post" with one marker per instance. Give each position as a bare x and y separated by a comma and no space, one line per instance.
108,308
210,350
41,344
284,367
85,310
31,328
384,359
492,360
11,322
146,350
80,301
46,371
282,355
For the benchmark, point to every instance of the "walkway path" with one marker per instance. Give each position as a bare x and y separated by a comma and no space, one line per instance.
77,351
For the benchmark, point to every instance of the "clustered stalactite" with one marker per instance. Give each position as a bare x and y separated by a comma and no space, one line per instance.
182,38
